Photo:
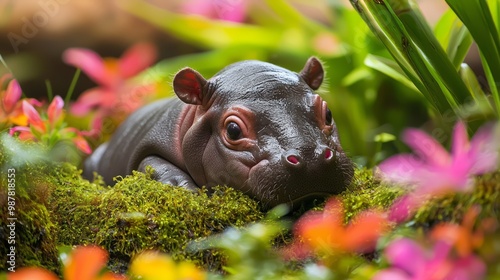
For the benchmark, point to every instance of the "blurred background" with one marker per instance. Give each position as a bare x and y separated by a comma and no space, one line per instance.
209,34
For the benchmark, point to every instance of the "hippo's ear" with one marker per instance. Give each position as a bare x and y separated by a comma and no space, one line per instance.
188,85
313,73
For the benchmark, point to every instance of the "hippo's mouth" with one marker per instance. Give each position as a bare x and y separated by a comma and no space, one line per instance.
273,185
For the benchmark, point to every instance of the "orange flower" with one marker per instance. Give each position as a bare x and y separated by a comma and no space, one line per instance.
87,263
28,273
84,263
463,236
325,232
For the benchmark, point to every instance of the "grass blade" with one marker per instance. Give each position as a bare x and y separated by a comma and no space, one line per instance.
423,37
390,68
453,37
477,17
71,88
387,26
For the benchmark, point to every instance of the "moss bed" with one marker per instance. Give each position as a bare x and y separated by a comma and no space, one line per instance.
56,207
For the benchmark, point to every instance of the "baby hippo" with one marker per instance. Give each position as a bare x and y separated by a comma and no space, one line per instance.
254,126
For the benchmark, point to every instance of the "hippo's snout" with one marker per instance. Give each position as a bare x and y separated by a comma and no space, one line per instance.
294,160
299,175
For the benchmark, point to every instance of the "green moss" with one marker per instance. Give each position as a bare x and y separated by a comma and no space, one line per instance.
35,232
57,207
139,213
367,192
486,194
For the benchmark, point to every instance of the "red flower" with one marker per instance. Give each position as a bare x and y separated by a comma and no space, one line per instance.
10,103
115,92
50,129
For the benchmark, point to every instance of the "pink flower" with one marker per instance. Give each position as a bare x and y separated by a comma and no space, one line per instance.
432,170
10,103
112,75
230,10
410,261
49,129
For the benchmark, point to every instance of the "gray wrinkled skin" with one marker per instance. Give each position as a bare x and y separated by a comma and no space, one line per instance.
287,152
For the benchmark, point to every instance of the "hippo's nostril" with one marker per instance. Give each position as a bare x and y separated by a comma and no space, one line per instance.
328,154
292,159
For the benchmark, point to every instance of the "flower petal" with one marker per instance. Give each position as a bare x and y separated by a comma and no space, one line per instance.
401,169
406,254
24,133
391,274
152,265
426,147
88,61
403,207
460,143
136,59
90,99
485,148
27,273
12,96
82,145
455,235
319,231
362,233
85,263
34,118
226,10
470,267
55,109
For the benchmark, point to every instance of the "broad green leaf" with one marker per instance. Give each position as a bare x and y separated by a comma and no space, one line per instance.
290,16
390,68
358,74
388,27
423,37
476,16
453,37
204,32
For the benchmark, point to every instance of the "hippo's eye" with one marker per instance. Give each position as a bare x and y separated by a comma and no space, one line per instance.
233,131
328,117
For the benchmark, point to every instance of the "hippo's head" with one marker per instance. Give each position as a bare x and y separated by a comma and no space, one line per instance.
261,129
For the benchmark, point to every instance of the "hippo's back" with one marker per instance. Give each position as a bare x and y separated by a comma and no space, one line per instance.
141,134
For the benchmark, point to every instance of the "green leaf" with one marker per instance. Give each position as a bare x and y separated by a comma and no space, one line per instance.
290,16
470,79
477,17
390,68
387,26
204,32
384,137
453,37
423,37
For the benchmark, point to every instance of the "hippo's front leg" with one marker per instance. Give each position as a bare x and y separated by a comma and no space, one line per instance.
168,173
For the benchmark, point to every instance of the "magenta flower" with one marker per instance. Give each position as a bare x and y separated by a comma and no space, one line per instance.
410,261
230,10
10,103
115,93
432,170
49,128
